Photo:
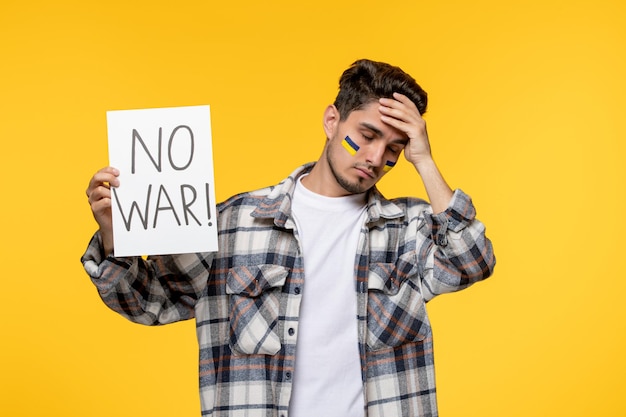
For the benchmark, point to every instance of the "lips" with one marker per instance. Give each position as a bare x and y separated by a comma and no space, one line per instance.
365,173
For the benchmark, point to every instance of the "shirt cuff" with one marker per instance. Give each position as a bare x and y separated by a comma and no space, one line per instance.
458,215
93,258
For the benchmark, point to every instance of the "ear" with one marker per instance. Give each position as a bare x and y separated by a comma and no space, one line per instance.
331,121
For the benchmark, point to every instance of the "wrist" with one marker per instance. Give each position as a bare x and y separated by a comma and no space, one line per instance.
106,240
439,193
424,164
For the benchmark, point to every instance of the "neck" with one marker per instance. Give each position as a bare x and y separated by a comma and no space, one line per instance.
322,181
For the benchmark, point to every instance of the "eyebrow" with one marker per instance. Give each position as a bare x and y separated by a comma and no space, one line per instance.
378,132
373,128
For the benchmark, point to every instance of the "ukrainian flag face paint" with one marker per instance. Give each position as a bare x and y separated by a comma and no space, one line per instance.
350,145
353,148
389,165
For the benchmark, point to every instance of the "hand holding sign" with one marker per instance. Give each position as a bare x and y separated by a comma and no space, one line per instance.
165,201
99,197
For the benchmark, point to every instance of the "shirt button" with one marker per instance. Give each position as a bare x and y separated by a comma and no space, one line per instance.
288,375
291,331
296,290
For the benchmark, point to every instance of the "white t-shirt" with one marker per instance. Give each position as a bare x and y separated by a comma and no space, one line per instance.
327,378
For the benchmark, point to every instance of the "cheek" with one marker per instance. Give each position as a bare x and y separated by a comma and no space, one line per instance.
338,156
350,145
389,164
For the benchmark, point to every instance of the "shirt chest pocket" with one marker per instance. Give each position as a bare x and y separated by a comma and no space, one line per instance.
396,310
255,293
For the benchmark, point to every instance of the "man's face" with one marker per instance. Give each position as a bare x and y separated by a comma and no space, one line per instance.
360,148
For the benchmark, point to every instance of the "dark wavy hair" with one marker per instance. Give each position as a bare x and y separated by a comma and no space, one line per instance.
367,81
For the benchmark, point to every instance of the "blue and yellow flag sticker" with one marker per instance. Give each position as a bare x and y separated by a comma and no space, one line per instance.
388,166
350,146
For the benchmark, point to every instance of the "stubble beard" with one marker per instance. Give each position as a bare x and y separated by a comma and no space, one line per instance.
351,187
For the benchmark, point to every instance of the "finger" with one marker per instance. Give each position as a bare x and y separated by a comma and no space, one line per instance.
407,102
102,211
402,98
398,124
100,193
405,107
101,205
97,182
401,113
398,101
107,175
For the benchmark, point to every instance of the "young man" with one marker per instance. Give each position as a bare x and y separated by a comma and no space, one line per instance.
315,303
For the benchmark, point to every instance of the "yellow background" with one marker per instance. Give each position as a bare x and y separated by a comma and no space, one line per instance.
526,115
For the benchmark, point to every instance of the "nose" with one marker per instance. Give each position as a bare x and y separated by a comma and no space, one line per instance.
375,153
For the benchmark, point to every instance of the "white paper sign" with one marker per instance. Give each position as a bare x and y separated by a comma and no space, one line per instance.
165,203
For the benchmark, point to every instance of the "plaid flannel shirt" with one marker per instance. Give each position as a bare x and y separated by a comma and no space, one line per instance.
246,297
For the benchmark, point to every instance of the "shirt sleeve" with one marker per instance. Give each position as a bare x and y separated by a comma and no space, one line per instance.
455,252
157,290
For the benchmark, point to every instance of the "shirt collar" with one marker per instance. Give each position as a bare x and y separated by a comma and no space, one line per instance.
277,204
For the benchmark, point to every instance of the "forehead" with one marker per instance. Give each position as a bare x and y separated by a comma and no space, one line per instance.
368,118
